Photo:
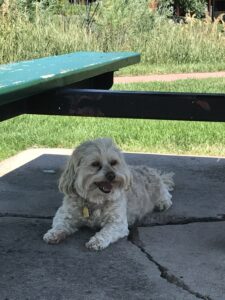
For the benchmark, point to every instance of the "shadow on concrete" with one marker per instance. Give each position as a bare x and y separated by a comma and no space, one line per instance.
32,189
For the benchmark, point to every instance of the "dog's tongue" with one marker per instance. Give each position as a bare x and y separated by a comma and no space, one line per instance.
104,186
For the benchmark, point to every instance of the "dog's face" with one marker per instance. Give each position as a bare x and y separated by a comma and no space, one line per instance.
96,170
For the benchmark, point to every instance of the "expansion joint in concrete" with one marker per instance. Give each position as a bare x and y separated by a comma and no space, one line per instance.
184,221
25,216
164,272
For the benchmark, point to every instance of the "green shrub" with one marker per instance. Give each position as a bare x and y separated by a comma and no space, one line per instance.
119,23
197,7
50,6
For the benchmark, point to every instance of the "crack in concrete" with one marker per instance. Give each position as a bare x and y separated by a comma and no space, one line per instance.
164,272
184,221
175,221
135,240
25,216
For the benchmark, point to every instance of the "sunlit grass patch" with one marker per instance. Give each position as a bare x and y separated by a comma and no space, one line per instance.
157,136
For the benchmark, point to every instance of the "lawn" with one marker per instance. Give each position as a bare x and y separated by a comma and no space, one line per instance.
146,68
175,137
209,85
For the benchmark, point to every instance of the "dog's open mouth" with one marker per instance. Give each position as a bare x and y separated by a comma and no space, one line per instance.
104,186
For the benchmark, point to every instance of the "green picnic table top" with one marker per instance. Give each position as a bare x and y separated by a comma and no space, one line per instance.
26,78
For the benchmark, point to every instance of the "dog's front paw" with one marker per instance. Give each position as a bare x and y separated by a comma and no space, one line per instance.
54,236
163,205
96,243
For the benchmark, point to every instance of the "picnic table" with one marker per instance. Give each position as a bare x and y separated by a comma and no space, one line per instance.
77,84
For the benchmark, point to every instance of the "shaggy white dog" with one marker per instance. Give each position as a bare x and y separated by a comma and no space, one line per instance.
102,191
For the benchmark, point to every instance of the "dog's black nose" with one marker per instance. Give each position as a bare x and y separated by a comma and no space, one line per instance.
110,176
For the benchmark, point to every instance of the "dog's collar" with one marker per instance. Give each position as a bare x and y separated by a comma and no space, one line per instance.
88,208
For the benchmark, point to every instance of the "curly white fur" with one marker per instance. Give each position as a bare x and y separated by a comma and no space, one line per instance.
101,190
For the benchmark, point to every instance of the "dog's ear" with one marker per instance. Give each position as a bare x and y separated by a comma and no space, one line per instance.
68,177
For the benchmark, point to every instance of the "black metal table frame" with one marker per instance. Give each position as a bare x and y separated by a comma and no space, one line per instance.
92,97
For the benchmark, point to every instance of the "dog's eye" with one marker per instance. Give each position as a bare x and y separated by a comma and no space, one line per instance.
96,164
113,162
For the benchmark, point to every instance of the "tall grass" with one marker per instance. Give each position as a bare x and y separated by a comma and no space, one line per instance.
117,25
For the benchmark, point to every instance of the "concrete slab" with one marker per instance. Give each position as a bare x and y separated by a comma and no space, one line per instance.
31,269
192,255
199,191
169,262
29,180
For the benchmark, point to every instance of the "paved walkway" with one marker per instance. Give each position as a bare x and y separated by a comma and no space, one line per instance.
167,77
177,255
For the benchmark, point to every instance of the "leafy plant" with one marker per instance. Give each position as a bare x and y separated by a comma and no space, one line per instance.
53,6
197,7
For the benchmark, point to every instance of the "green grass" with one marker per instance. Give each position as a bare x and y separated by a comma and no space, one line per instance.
175,137
145,68
209,85
165,46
